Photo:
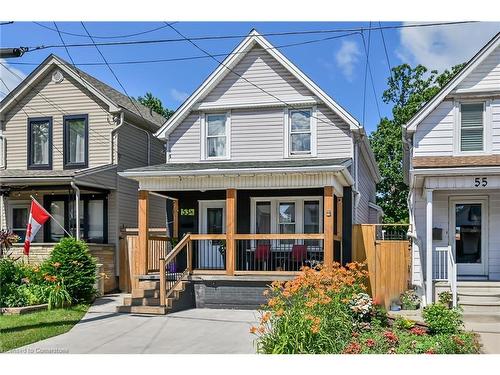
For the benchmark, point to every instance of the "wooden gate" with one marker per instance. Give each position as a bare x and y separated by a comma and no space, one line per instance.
386,251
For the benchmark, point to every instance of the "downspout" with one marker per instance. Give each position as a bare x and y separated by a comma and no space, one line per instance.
3,150
77,208
113,132
357,193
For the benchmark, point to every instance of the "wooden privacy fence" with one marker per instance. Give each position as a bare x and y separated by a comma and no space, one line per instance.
386,251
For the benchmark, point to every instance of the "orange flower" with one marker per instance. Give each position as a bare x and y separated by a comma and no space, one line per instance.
253,330
265,317
280,312
56,264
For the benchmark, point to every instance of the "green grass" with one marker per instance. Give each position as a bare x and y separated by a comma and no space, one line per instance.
20,330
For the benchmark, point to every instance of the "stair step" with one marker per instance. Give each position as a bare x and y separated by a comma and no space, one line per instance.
480,307
145,293
150,310
148,284
132,301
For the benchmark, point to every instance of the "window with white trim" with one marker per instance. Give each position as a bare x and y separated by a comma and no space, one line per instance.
472,127
300,132
216,134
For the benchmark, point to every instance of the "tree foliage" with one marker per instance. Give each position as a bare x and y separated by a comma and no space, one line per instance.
409,88
151,101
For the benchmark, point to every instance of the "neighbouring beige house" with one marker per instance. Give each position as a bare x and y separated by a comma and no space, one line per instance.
64,135
452,161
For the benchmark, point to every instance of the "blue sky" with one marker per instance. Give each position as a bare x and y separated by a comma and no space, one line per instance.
337,66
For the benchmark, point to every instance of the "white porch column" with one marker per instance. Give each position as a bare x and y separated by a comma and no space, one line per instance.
428,247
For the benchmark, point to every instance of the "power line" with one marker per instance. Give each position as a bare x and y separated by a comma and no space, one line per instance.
222,37
385,50
112,72
200,56
369,70
6,23
102,36
240,76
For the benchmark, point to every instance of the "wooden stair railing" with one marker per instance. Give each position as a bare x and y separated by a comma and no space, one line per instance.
170,275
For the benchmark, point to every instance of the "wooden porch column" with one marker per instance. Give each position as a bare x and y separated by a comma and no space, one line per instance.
230,230
141,254
175,218
328,213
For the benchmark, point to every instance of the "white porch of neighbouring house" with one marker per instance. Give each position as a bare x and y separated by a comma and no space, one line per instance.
456,216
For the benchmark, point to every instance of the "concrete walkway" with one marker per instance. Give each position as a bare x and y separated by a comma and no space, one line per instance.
192,331
488,328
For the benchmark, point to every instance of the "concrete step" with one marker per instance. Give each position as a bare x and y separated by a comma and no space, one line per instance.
149,310
131,301
478,296
480,307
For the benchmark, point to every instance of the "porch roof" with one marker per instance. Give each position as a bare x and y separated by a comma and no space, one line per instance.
229,167
92,177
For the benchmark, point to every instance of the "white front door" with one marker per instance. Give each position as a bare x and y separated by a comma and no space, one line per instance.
469,235
211,221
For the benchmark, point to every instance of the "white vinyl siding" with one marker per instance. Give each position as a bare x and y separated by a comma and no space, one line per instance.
471,127
258,134
485,77
265,72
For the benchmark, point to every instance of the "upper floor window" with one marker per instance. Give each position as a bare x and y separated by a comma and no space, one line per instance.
472,127
40,143
216,133
76,141
300,133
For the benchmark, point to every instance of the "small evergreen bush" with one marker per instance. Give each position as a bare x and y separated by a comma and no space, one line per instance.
72,263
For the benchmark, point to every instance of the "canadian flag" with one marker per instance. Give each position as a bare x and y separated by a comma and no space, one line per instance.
38,217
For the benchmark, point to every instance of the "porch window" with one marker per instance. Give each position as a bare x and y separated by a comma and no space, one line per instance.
76,141
286,219
20,220
40,143
93,217
471,127
300,132
216,134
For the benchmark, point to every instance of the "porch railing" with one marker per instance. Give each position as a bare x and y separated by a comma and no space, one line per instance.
278,252
445,269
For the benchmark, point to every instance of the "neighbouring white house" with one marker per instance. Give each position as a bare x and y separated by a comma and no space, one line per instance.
452,162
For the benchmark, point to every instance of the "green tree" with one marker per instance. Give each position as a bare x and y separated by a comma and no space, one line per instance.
151,101
409,88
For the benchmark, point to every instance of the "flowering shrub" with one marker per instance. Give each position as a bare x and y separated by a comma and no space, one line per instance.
361,305
311,314
409,300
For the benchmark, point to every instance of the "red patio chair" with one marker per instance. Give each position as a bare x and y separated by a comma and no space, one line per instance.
299,254
262,254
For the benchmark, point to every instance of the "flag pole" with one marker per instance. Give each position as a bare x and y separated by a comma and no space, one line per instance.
52,217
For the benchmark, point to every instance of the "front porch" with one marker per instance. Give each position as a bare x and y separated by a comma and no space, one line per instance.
248,232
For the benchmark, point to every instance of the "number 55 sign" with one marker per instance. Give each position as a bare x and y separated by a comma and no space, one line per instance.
480,181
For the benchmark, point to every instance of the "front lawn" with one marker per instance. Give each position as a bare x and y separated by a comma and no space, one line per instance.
20,330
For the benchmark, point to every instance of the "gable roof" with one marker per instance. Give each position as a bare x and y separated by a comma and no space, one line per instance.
112,97
254,38
412,124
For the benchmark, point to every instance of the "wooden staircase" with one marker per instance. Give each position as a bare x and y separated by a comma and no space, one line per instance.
146,299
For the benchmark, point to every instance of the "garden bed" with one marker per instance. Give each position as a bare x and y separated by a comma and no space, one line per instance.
327,311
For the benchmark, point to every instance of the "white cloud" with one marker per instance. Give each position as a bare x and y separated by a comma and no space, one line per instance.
178,95
347,57
441,47
10,79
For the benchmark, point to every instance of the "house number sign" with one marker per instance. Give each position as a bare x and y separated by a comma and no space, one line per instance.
480,181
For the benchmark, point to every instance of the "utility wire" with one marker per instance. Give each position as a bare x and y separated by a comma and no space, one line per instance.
222,37
385,50
101,36
369,70
240,76
200,56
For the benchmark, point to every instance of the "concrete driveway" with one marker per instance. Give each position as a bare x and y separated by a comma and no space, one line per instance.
192,331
